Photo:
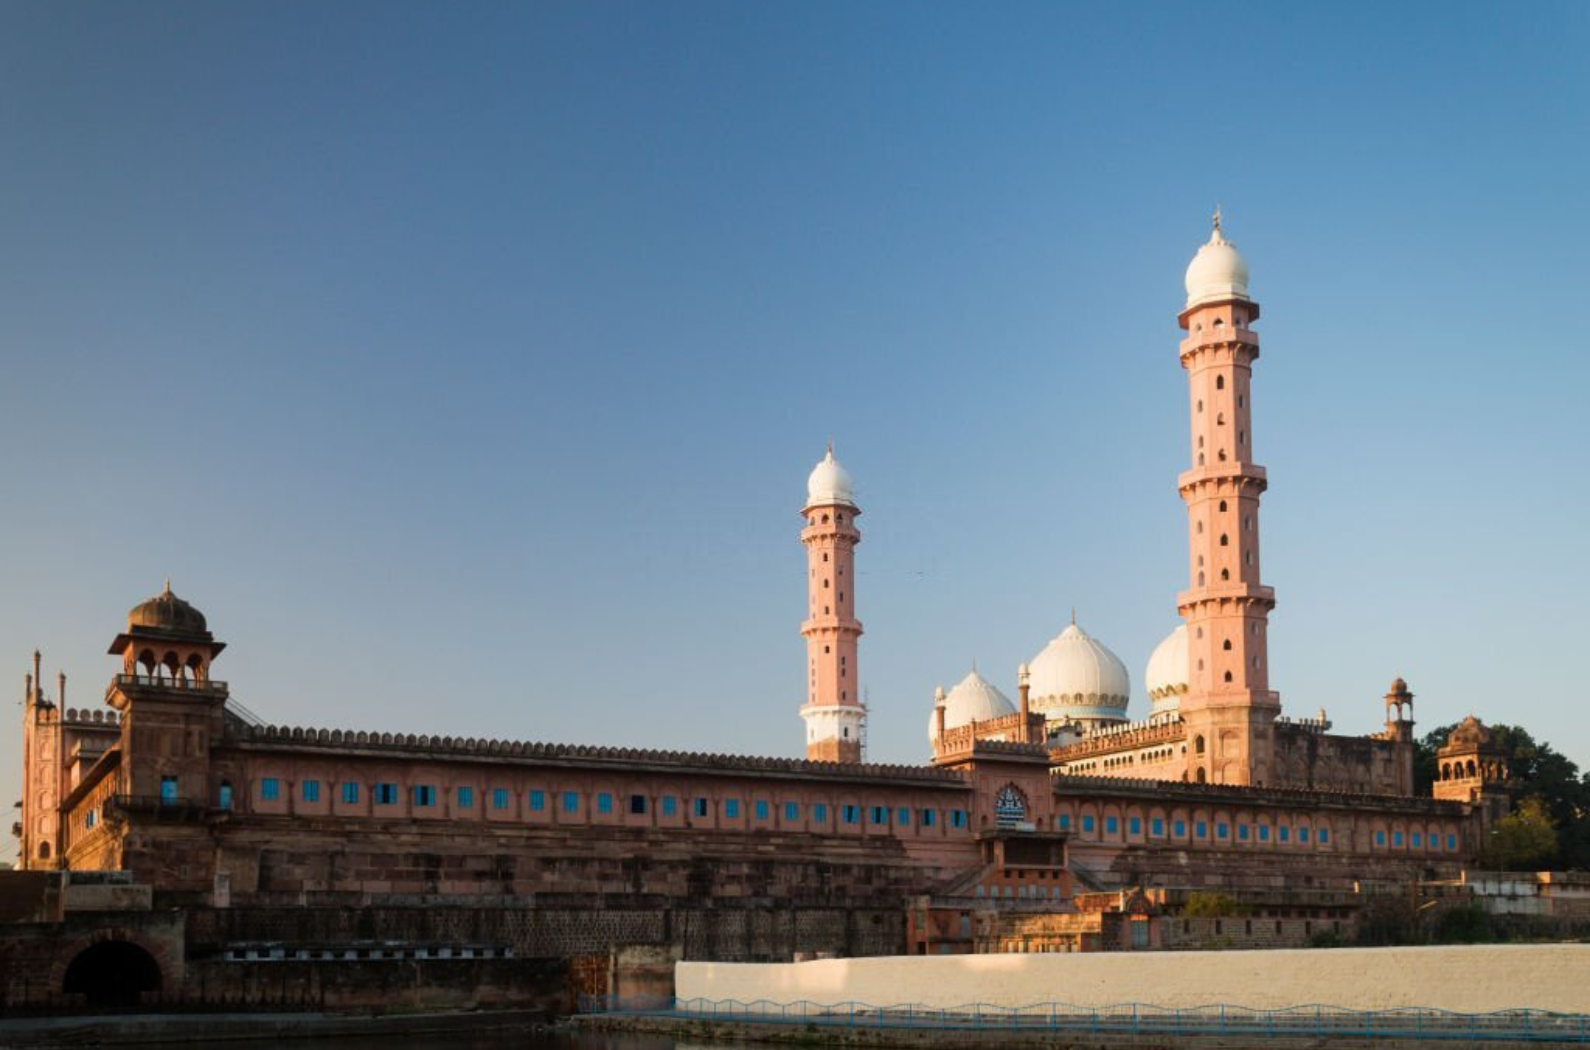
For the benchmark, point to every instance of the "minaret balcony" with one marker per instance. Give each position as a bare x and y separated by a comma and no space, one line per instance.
830,625
1223,336
1235,472
207,688
1235,591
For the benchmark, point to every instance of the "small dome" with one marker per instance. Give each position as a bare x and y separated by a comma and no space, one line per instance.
1470,733
167,612
1078,677
1218,271
1398,687
974,700
1169,672
829,483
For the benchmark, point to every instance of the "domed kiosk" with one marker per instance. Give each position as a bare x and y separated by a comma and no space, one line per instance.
974,699
1077,682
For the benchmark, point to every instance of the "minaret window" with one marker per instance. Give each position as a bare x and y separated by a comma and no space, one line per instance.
1226,645
1200,406
825,556
1242,437
1228,676
1239,400
1220,419
1225,574
1222,506
1221,455
1200,528
1224,542
1200,579
1220,382
825,585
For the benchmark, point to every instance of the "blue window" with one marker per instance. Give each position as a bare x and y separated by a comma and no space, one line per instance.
1451,841
1065,822
1396,839
1087,824
1135,825
1222,831
670,806
1324,836
311,789
270,789
604,802
731,808
1111,825
792,811
1418,840
1380,838
499,798
1179,829
763,812
225,800
957,818
90,819
168,790
466,797
1284,834
350,792
820,812
925,818
1156,827
1302,836
424,795
1243,831
1201,829
850,814
571,802
1264,833
701,807
537,799
902,817
879,817
386,794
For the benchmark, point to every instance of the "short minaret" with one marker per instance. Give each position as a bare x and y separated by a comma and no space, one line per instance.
835,716
1229,707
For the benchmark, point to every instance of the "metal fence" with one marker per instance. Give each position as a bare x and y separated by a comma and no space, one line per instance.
1317,1020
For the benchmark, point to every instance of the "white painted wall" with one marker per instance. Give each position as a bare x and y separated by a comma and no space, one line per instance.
1470,979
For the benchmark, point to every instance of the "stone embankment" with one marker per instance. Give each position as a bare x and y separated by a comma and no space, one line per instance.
1467,979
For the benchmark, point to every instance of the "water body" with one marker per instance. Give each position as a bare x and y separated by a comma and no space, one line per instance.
519,1039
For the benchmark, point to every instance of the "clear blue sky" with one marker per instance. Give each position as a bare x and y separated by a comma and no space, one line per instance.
465,363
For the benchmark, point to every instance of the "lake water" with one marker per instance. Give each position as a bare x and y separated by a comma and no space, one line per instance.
527,1038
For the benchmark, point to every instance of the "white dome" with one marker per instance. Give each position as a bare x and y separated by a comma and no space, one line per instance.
1077,676
1168,672
829,483
974,700
1216,272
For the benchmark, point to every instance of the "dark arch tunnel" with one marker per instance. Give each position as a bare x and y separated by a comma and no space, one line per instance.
112,973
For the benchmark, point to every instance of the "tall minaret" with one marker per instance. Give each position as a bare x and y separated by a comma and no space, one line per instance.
834,713
1229,709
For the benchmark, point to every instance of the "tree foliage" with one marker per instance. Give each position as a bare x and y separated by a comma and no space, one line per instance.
1539,773
1524,840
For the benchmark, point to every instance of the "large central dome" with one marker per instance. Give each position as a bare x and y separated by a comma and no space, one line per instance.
1077,678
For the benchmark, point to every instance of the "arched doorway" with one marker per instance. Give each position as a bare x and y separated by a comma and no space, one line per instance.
112,973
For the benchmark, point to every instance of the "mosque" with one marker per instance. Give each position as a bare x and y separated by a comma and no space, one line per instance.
1023,803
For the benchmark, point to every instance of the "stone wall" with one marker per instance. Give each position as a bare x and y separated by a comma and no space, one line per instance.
1545,977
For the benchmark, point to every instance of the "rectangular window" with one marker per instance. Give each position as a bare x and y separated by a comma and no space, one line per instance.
1264,833
792,811
350,792
386,794
1111,825
1302,836
1324,836
850,814
879,817
1201,829
1380,838
1222,831
270,789
1135,824
538,801
701,807
925,818
1087,824
424,795
731,809
1418,840
820,812
1156,828
604,802
902,817
226,795
465,797
1243,832
168,790
1179,829
311,790
637,805
763,810
1451,842
1065,822
670,806
1396,839
571,802
957,818
1284,834
499,798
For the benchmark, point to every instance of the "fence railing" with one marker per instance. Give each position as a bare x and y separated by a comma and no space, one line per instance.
1316,1020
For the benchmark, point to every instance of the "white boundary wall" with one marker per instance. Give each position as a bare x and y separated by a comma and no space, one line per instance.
1468,979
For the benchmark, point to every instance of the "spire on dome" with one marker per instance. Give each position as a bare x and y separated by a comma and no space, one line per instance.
1217,224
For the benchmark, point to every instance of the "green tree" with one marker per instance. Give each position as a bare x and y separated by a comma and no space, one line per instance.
1525,839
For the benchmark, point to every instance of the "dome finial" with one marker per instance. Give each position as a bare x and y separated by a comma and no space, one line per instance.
1073,616
168,585
1217,219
